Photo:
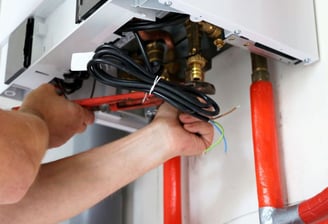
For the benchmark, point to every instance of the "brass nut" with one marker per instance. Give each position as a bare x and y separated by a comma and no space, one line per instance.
196,59
195,66
155,51
219,43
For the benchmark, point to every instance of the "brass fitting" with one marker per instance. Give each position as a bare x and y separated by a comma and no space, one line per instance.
260,68
195,62
155,52
166,75
194,37
195,72
213,32
171,64
195,68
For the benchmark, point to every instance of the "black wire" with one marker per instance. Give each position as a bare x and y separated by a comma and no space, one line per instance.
93,88
169,20
184,98
143,52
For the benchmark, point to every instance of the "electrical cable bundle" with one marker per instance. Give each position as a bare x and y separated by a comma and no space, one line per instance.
185,98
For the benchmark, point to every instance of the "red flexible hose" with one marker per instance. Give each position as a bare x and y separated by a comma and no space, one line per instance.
265,143
314,208
172,191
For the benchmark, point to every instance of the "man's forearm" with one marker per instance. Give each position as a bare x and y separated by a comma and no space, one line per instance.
67,187
23,141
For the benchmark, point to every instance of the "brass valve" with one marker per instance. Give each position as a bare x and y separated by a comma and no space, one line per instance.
213,32
195,65
260,68
194,37
171,66
155,52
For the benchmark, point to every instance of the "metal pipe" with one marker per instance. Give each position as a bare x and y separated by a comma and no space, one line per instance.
265,139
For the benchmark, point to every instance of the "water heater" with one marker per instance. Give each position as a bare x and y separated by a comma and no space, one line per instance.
285,31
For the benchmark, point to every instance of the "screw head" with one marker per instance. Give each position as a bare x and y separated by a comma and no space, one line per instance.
238,32
150,113
307,60
168,3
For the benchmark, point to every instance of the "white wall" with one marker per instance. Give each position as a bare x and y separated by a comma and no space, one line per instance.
222,186
303,102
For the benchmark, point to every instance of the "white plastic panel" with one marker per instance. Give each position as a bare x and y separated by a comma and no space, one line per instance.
274,24
286,26
64,37
14,12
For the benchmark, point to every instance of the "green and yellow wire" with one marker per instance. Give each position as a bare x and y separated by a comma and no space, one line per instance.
218,127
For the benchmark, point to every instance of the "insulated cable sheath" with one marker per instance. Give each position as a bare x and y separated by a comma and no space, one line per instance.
314,208
172,191
265,142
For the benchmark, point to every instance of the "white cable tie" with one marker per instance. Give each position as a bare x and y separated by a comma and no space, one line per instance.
156,80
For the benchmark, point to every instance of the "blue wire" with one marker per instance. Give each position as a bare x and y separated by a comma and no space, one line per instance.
224,138
221,133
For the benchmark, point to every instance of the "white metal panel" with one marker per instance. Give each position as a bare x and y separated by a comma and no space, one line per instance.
13,13
60,43
3,61
286,26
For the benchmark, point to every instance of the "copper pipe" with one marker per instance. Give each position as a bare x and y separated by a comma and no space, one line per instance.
157,35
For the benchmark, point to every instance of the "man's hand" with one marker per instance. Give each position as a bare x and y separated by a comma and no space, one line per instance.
185,134
63,118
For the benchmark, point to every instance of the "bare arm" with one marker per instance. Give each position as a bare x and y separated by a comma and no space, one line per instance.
23,140
26,134
66,187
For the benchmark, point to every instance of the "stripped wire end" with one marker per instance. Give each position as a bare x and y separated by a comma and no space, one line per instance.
156,80
218,127
226,113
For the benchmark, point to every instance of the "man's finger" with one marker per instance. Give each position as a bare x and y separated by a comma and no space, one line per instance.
187,118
